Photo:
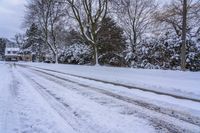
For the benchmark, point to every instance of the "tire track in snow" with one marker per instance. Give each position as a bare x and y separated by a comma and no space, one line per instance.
11,122
172,113
158,123
64,110
118,84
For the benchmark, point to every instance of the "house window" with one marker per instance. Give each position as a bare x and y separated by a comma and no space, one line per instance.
14,52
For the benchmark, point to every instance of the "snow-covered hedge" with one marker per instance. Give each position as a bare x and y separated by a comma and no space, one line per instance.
76,53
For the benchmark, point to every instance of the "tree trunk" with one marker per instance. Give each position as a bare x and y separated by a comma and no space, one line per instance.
56,57
184,30
96,60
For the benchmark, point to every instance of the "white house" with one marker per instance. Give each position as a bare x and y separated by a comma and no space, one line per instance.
11,54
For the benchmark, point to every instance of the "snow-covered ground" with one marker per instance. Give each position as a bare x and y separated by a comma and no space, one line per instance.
176,82
22,109
33,100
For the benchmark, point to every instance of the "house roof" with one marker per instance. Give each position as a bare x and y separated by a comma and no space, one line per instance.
12,49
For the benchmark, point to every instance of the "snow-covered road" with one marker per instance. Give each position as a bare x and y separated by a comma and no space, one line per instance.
23,109
40,101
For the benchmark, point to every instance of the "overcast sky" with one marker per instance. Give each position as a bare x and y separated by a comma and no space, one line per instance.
11,16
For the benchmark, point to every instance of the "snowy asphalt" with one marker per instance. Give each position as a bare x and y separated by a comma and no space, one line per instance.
39,101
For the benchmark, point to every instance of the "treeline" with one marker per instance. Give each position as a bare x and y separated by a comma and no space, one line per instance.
132,33
2,46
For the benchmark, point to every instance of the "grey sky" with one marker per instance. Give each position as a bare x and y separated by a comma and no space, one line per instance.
11,16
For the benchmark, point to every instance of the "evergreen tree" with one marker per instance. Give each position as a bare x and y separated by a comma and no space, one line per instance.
111,43
34,42
2,46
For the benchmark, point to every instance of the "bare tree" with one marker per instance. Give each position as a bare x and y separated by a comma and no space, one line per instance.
184,32
20,40
182,16
135,16
47,14
89,15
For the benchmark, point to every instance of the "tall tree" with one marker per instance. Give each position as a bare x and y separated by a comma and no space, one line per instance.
184,32
181,16
46,13
111,43
34,42
135,16
20,40
2,46
89,15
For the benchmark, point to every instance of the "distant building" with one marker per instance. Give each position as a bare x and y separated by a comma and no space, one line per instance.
12,54
25,55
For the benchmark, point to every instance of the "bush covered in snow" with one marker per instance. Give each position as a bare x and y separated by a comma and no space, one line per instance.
76,53
163,52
